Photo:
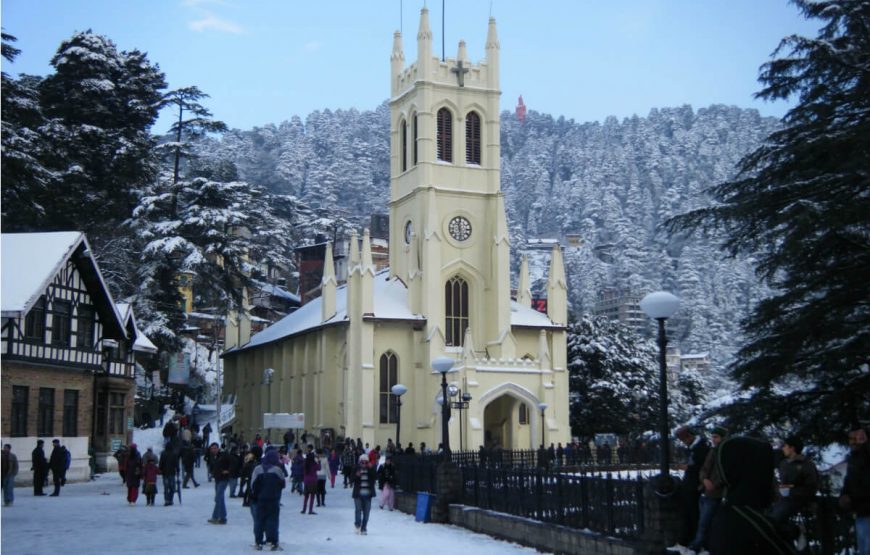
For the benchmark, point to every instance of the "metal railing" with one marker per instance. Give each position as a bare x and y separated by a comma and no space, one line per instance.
588,496
514,484
606,504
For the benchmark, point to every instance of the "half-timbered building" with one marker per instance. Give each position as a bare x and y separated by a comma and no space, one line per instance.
67,352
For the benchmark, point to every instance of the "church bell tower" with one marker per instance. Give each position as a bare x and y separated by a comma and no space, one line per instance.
449,240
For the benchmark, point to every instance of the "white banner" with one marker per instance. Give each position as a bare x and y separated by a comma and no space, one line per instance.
283,420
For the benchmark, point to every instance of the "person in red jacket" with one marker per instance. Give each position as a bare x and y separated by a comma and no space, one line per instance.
149,477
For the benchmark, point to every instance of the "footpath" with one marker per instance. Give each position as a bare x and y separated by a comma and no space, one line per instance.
94,517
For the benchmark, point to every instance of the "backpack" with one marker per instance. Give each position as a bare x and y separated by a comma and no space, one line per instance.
68,458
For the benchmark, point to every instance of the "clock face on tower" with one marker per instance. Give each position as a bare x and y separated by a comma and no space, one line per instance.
459,228
409,229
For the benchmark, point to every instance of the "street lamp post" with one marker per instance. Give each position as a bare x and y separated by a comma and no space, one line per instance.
543,407
660,306
398,390
267,381
460,405
443,365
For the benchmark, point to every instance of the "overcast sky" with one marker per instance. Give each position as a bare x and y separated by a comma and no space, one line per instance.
264,61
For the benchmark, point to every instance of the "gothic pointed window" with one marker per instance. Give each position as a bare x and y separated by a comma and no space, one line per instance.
444,142
455,311
389,378
414,139
472,138
403,139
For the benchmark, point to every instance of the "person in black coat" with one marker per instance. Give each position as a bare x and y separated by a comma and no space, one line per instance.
188,458
39,466
855,496
57,464
168,465
267,482
133,474
690,489
740,527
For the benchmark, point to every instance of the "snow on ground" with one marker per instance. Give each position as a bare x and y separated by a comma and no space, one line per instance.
94,517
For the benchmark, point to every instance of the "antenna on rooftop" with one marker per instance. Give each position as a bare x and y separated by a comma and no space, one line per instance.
400,18
442,30
490,8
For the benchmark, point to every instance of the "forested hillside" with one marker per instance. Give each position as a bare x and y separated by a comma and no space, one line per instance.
613,183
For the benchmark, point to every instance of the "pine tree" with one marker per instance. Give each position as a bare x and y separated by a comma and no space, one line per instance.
800,203
99,104
613,378
24,177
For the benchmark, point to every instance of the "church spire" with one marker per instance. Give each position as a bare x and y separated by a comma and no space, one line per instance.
524,294
424,43
367,275
557,288
327,286
353,259
397,60
492,52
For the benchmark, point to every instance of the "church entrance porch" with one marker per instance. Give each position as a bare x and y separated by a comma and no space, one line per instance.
509,423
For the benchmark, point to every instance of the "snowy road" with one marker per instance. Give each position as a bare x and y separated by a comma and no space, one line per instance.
94,517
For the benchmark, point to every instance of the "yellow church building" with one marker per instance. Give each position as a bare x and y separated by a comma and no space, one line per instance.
447,292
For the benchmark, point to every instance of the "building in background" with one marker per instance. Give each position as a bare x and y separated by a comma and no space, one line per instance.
623,306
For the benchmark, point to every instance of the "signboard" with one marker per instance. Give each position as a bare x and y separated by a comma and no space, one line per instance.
130,423
179,368
283,420
116,444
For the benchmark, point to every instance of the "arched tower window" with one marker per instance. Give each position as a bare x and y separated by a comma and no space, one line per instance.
414,134
444,142
389,378
455,311
403,138
472,138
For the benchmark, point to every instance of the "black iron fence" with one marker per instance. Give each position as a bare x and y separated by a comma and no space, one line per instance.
589,497
606,504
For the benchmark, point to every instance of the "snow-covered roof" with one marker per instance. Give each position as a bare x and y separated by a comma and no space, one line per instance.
30,261
691,356
525,316
277,291
142,343
390,303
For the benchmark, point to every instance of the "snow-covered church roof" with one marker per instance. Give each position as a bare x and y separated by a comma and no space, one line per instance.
390,303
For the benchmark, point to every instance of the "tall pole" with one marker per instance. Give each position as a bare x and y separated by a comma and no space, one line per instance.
398,423
543,441
445,415
663,399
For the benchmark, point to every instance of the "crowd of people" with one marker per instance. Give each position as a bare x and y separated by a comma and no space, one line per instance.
739,496
730,500
258,472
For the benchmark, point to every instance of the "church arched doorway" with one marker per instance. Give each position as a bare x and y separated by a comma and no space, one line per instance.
507,423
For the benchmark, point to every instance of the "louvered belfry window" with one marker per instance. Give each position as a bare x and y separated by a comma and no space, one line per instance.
444,144
472,138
